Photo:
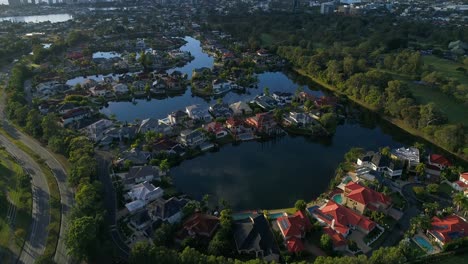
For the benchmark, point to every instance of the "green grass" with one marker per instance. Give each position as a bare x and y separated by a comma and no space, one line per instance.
447,68
12,239
445,188
267,39
455,259
455,111
398,200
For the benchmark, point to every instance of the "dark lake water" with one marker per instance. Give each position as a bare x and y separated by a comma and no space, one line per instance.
266,175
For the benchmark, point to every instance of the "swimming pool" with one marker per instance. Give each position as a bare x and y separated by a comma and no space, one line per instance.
276,215
243,215
337,198
423,243
347,179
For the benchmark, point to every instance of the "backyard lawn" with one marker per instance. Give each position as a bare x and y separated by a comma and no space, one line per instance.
445,188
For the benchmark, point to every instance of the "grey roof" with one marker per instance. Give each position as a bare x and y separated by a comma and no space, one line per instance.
255,234
169,207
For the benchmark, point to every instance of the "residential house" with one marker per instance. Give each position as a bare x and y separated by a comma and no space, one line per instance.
262,53
167,210
192,138
445,230
136,157
240,108
220,110
299,119
342,219
96,130
220,86
238,130
139,174
168,146
437,162
198,113
152,124
264,101
216,128
63,108
462,184
381,163
254,236
263,123
338,240
120,88
98,90
201,225
302,97
326,101
282,98
177,117
293,228
360,198
75,115
409,155
145,192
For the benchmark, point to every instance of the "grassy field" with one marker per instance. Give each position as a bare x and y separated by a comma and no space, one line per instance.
447,68
13,224
456,112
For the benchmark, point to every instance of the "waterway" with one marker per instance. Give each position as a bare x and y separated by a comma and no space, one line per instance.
55,18
267,175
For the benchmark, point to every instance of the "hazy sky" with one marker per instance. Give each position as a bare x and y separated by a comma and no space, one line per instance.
3,2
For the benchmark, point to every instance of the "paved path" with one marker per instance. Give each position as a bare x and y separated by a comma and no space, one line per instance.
36,240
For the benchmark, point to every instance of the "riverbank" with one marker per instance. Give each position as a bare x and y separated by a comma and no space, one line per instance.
396,122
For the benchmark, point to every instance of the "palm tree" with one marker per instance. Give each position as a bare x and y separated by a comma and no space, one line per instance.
460,201
420,169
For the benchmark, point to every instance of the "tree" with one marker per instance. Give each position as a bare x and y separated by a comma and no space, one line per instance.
433,188
81,237
88,200
353,154
164,165
420,169
141,253
385,151
329,121
266,91
300,205
33,123
326,243
385,255
431,208
163,235
460,201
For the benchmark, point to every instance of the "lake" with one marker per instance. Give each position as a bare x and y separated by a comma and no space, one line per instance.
55,18
267,175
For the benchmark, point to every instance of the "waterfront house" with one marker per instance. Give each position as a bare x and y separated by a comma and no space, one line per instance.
98,90
445,230
63,108
198,113
326,101
302,97
338,240
177,117
200,72
136,157
342,219
462,184
360,198
282,98
220,110
152,124
139,174
253,236
240,108
299,119
120,88
96,131
381,163
140,220
192,138
438,162
294,228
264,101
220,86
145,192
201,225
263,123
409,155
168,146
216,128
167,210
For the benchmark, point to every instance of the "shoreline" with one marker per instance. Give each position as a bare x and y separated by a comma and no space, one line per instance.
413,132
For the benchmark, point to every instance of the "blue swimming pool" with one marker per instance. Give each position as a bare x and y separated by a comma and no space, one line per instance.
422,242
276,215
337,198
347,179
243,215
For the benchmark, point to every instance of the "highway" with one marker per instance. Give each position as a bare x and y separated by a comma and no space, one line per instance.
37,237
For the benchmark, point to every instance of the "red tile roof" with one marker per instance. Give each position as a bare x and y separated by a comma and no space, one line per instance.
214,127
337,238
364,195
449,228
294,226
201,224
464,176
439,159
295,245
340,218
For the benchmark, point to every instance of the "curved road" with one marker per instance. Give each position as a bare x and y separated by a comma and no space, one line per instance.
36,241
66,194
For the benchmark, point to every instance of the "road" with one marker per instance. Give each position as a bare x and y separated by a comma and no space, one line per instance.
66,194
110,203
37,237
